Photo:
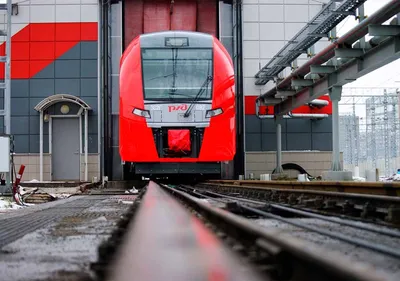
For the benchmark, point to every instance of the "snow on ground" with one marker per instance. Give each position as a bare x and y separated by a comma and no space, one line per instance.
7,204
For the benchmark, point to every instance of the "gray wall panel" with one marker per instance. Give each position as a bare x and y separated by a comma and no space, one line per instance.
115,133
322,141
298,125
92,124
92,143
117,167
68,68
20,88
88,68
34,126
1,124
89,87
34,143
73,54
253,142
48,72
32,103
115,94
19,125
68,86
116,46
21,143
268,141
92,102
87,50
41,87
322,126
269,126
253,124
116,19
298,141
19,106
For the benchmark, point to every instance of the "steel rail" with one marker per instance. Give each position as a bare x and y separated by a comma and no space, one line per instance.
359,31
313,215
377,248
383,198
330,267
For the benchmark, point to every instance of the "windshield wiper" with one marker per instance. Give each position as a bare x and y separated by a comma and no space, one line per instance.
174,61
201,90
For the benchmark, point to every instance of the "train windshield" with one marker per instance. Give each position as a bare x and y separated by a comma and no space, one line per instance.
171,74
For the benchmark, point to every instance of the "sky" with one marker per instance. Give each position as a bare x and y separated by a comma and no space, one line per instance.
386,76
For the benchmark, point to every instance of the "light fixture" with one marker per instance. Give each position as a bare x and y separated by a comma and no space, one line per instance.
46,117
64,109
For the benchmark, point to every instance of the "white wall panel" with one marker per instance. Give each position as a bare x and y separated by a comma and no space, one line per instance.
42,13
271,1
251,49
251,13
251,31
68,2
268,49
271,13
89,13
267,26
42,2
251,66
23,15
296,13
68,13
272,31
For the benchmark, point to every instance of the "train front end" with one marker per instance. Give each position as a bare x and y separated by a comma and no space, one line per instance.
177,105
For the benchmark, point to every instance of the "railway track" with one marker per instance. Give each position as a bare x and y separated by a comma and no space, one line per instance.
378,209
172,232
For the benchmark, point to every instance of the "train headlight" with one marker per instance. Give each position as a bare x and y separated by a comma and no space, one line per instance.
142,113
213,112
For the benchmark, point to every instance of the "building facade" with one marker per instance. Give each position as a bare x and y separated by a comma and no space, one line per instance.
54,93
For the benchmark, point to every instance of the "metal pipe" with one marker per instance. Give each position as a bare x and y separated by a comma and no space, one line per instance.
319,102
41,146
379,17
99,91
7,77
299,115
86,144
278,169
335,136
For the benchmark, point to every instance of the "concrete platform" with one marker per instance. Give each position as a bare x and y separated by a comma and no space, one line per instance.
337,176
57,240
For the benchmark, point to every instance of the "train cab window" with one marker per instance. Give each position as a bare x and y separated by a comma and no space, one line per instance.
175,73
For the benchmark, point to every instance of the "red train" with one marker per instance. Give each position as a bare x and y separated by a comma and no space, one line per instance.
177,105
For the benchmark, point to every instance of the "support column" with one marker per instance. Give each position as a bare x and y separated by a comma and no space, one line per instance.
41,145
335,94
86,144
278,122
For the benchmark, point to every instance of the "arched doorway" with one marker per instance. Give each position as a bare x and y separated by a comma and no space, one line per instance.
67,140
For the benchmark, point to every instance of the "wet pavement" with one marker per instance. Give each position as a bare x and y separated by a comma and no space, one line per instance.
64,247
387,266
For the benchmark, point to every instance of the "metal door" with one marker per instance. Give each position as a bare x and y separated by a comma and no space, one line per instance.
65,149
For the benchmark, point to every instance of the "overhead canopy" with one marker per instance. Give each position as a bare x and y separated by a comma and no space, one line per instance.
49,101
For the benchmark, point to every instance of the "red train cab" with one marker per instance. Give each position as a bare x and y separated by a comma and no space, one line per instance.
177,105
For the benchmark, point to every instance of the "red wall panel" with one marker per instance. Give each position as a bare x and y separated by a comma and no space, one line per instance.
184,15
133,20
250,107
37,45
156,16
144,16
207,17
